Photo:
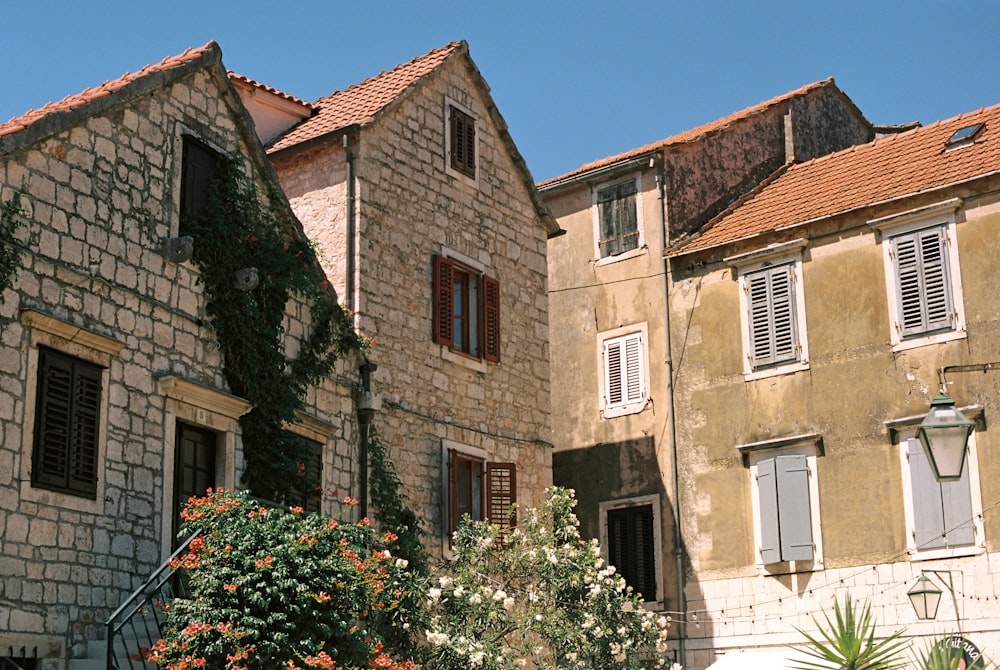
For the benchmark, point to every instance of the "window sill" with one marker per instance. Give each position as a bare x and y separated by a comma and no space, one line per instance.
633,253
947,552
789,567
464,360
936,338
764,373
634,408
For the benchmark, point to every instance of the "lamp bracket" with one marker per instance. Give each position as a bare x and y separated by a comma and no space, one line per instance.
971,367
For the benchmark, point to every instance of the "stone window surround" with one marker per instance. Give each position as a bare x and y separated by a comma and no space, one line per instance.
810,446
653,500
641,248
448,446
748,263
53,332
321,432
450,103
477,364
198,405
899,430
943,214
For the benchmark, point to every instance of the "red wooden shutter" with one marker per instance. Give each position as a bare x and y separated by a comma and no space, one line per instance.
444,328
501,493
491,319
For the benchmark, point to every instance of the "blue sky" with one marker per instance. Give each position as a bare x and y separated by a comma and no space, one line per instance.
576,81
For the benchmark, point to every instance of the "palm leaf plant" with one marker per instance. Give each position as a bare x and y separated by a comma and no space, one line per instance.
847,642
937,656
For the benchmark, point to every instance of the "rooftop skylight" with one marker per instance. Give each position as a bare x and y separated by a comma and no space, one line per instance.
964,136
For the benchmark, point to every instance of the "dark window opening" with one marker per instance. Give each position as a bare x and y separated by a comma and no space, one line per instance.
631,548
619,224
198,169
67,424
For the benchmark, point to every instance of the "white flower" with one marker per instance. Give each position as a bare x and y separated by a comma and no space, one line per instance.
401,563
446,582
508,603
475,599
437,639
499,595
434,593
476,658
627,606
459,590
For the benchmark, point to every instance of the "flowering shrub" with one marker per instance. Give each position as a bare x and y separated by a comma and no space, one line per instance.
271,589
540,595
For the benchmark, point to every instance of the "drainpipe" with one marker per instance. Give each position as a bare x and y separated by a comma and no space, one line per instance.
671,424
366,412
349,270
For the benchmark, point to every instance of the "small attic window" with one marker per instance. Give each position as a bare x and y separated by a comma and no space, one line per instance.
964,136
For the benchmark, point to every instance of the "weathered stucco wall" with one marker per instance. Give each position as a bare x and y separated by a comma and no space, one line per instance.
854,385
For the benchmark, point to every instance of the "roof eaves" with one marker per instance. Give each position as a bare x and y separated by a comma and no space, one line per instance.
36,125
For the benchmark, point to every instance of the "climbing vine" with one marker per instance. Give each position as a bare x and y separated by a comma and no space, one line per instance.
235,237
10,258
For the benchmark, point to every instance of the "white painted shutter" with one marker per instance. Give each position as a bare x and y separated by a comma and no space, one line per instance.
767,499
623,371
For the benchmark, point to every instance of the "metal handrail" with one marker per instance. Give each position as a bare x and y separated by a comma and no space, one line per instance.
133,615
8,664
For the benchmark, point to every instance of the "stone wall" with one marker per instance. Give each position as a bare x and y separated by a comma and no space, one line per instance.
102,195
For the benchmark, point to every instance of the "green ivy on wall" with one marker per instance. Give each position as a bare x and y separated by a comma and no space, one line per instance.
236,235
10,258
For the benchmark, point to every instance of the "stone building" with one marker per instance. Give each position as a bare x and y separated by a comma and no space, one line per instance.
429,225
113,402
812,324
615,353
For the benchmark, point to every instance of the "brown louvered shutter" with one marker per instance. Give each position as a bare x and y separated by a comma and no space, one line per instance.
444,327
67,420
491,319
501,494
463,142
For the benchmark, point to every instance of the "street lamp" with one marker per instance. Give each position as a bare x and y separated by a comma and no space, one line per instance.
945,431
925,598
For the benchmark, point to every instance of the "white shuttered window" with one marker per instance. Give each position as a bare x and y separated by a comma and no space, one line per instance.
772,316
923,285
624,371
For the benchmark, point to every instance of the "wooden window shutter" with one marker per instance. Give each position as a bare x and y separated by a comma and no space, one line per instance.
635,387
491,319
767,499
616,212
501,493
444,327
794,517
463,142
67,424
631,549
923,288
613,372
942,511
771,318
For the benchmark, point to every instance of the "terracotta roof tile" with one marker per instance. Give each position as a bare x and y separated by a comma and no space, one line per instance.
270,89
694,133
893,167
22,122
360,103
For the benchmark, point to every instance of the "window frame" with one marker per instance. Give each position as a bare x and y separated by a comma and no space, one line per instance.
639,371
482,323
892,229
904,435
786,259
199,162
490,499
97,349
640,248
458,163
652,501
805,449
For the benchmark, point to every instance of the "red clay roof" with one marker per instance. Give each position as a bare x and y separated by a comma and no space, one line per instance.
270,89
889,168
694,133
70,102
360,103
